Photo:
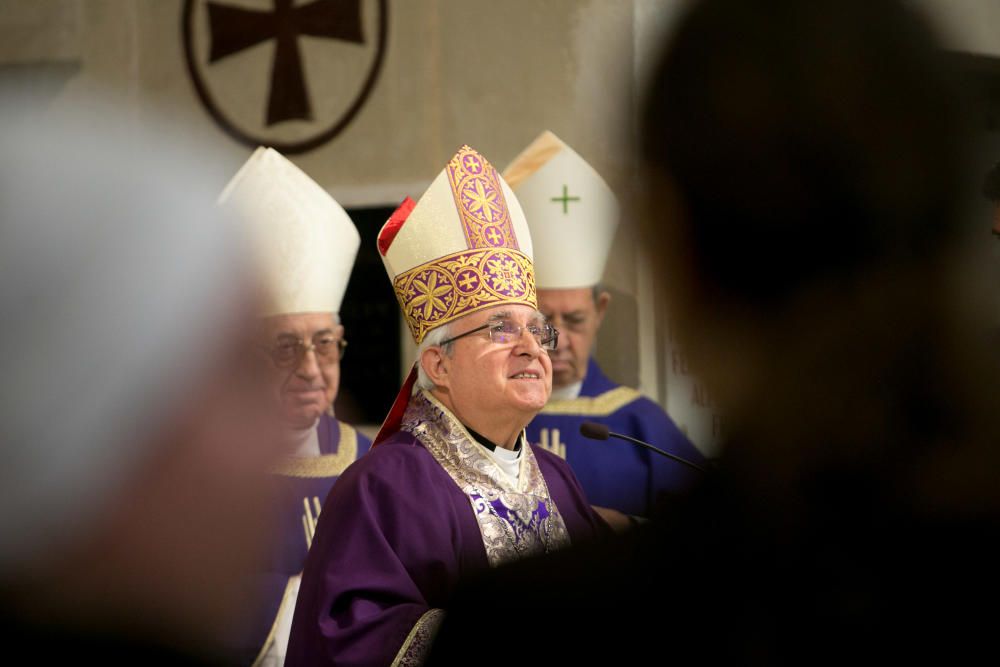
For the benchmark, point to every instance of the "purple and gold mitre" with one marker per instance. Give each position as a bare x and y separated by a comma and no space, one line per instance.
463,247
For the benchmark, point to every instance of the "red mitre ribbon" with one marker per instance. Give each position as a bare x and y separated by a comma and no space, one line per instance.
395,417
394,224
385,239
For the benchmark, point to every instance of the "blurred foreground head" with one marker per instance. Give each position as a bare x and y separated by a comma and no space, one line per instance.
132,437
807,167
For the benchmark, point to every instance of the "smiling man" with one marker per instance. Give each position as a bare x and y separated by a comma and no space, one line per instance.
451,485
307,244
573,216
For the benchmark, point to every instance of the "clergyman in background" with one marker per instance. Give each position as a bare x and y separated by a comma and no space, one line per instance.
306,244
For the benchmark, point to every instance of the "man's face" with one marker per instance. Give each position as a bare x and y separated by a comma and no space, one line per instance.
578,316
484,376
306,380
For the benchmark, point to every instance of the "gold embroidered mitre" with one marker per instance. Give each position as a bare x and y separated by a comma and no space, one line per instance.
463,247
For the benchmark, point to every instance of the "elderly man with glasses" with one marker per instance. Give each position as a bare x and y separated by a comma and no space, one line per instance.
450,486
307,245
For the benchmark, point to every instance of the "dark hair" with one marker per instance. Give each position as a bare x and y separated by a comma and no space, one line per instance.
806,141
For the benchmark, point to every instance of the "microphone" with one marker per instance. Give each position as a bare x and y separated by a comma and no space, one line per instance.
596,431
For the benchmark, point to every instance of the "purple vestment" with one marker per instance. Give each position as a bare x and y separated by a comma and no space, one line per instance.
422,509
301,486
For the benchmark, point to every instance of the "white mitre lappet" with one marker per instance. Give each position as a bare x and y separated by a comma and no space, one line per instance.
571,211
305,241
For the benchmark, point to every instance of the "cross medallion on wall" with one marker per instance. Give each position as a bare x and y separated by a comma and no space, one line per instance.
235,29
310,43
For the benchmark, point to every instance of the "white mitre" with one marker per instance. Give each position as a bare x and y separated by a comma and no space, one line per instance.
305,241
571,211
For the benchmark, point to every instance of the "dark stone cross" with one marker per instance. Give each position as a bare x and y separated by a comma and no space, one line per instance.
234,29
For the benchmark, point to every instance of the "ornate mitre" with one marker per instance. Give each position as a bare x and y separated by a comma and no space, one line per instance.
463,247
304,241
572,213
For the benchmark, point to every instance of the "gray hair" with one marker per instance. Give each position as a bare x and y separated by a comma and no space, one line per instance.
434,338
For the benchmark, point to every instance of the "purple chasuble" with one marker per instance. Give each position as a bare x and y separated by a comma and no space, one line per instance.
301,485
424,508
615,473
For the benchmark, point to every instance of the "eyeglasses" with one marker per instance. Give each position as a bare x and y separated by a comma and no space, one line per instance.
504,332
288,352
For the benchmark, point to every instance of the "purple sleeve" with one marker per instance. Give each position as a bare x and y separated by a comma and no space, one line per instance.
582,522
387,551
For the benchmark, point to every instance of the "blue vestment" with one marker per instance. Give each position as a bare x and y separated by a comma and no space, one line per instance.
614,473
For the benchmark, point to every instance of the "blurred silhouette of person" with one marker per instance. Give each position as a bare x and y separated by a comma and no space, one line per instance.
135,421
806,164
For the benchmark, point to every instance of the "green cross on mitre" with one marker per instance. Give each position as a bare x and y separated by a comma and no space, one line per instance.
565,199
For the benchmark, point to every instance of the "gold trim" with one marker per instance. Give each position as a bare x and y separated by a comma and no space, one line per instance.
447,288
480,201
417,644
274,624
529,161
549,441
593,406
327,465
310,519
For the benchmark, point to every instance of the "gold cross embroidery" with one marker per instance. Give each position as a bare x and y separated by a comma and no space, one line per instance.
468,281
309,519
471,163
550,441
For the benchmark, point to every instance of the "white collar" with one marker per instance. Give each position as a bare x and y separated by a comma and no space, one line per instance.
509,461
308,441
566,393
